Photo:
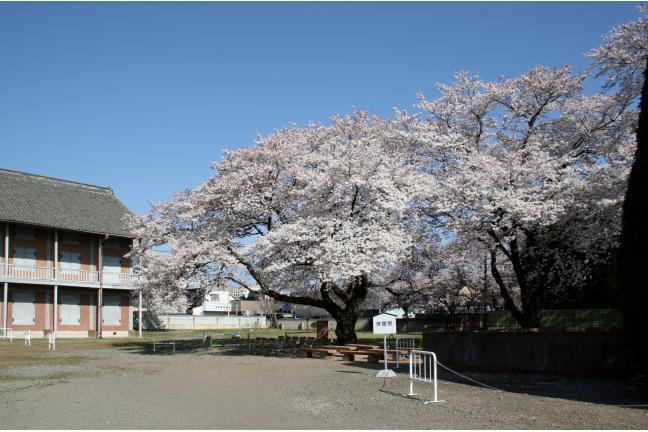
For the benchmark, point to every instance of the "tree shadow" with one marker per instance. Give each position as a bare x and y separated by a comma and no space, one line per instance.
604,390
187,346
197,346
597,389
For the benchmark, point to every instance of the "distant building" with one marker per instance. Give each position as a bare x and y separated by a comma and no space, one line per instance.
236,301
215,302
249,305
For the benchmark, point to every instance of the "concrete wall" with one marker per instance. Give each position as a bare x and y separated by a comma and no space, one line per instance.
363,324
531,352
190,322
404,325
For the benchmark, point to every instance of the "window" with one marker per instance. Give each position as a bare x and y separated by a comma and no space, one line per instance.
112,269
111,310
70,309
24,257
23,310
70,263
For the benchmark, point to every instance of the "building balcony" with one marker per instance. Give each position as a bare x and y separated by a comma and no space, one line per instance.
81,278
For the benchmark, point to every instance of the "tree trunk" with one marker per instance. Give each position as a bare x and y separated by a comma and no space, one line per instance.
529,315
345,328
350,297
633,250
531,299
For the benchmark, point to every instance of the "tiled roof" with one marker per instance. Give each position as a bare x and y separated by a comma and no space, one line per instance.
49,202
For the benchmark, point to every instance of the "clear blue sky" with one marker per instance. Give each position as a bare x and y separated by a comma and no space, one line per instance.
142,97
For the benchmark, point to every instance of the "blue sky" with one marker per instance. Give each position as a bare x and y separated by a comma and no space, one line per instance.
143,96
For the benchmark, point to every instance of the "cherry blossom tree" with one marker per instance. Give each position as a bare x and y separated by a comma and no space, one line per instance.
621,59
327,216
312,216
520,160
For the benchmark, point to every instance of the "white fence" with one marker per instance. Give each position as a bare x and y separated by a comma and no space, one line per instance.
8,333
91,277
404,344
189,322
362,324
423,368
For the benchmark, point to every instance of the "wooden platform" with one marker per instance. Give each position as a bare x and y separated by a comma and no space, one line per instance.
363,346
326,353
350,355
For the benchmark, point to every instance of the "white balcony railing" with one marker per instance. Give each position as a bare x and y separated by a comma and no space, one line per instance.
74,276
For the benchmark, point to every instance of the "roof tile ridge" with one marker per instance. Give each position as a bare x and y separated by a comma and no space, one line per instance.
54,181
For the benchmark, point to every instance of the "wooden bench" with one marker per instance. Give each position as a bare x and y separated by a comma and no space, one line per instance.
390,352
350,355
339,347
325,353
363,346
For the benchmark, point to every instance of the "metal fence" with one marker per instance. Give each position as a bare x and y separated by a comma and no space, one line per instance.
158,343
562,319
423,368
404,344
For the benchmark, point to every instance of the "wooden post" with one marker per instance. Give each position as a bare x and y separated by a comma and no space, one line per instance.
140,313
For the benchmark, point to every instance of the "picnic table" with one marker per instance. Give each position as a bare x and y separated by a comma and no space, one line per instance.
392,352
326,353
348,352
372,356
339,347
363,346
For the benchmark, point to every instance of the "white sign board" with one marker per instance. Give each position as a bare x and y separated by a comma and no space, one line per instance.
384,324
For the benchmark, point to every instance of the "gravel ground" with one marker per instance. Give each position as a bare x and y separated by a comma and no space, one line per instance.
113,388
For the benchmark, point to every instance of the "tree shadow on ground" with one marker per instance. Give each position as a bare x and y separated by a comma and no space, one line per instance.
162,347
197,346
604,390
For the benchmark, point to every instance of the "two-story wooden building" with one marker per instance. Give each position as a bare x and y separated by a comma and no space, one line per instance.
63,254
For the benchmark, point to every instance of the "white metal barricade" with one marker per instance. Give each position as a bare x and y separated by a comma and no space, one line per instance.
404,344
6,333
157,344
51,342
28,337
423,367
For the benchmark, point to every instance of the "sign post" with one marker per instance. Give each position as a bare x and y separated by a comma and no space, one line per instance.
385,324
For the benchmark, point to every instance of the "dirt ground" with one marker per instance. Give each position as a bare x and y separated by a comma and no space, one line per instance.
107,386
